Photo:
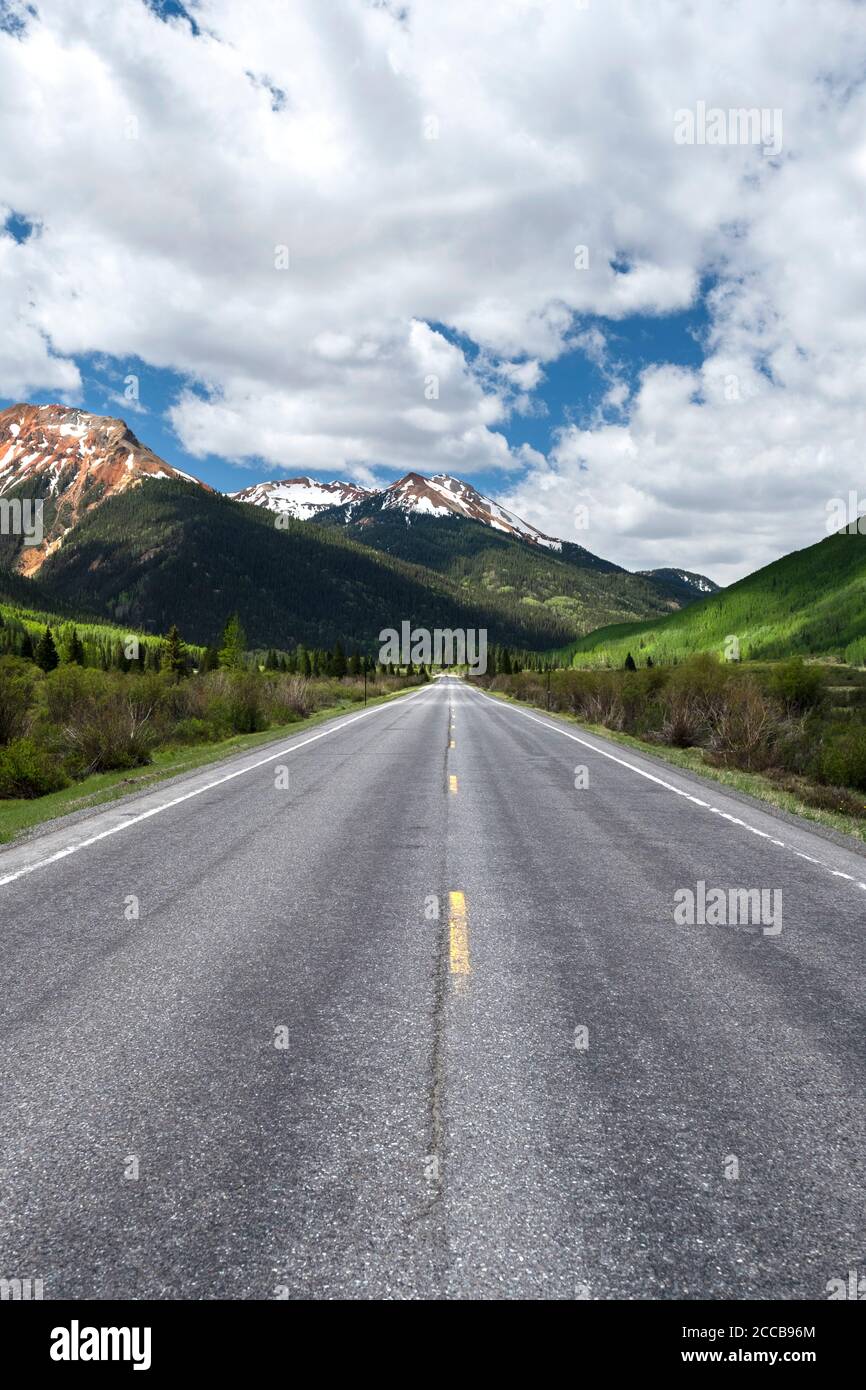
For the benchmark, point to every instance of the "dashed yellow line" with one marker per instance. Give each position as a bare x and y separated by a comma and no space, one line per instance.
452,744
452,783
458,934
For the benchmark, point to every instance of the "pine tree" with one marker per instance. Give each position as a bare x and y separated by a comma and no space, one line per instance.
46,652
26,648
174,653
75,651
630,663
355,663
234,645
338,661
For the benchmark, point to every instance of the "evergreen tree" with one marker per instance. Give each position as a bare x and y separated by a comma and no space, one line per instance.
26,648
355,663
75,651
338,661
630,663
174,653
46,652
234,645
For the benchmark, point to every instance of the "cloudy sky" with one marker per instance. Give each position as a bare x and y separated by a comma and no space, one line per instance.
354,237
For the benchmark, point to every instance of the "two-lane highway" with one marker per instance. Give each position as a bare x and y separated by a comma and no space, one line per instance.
401,1009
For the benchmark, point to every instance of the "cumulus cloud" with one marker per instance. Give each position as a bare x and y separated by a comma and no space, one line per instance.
303,215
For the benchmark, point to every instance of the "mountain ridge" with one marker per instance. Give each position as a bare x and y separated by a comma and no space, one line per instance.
117,547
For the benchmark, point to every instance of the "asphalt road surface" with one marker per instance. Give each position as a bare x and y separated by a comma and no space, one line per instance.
406,1013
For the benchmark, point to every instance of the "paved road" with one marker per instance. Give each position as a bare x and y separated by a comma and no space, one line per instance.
432,1125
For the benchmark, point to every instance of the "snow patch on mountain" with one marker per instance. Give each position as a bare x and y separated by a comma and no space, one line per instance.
301,498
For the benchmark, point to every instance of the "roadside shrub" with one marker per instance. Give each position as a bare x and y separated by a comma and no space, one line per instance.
798,686
28,770
289,698
246,703
842,760
603,703
193,731
101,720
68,689
17,685
744,726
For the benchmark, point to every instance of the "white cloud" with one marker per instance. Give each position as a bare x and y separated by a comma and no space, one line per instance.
165,169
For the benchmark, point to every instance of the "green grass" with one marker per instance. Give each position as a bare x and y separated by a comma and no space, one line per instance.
810,603
692,760
18,816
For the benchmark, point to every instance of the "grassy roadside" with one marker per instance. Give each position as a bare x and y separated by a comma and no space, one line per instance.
19,815
692,760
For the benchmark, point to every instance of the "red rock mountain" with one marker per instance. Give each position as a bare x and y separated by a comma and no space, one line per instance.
74,461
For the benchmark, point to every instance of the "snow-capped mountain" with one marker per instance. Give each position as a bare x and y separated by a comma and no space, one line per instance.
73,461
301,498
414,495
442,495
694,583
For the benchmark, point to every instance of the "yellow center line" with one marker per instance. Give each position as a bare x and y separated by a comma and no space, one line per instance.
459,934
452,744
452,783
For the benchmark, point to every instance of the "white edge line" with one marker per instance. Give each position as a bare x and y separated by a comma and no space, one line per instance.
554,728
199,791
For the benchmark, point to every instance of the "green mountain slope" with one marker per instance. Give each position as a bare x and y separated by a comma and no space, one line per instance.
812,602
578,589
168,552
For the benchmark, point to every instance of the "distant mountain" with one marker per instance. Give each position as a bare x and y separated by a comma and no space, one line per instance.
168,552
301,498
73,461
132,539
447,525
580,589
412,495
688,585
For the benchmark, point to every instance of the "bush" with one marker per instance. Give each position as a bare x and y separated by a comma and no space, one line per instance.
290,698
193,731
744,726
26,770
798,686
842,760
17,684
245,703
103,721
